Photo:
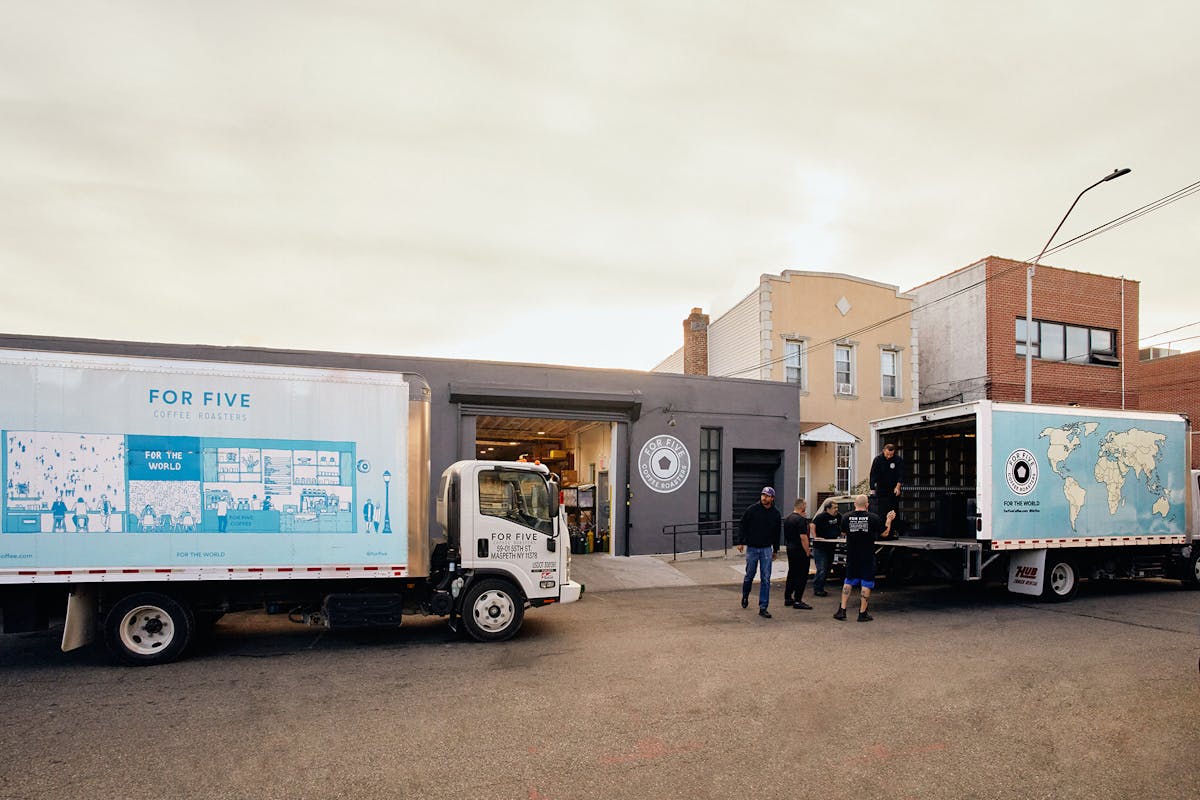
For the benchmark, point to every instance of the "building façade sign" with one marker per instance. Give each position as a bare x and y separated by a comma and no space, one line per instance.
664,463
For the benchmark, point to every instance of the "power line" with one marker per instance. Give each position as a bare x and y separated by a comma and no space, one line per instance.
1172,330
1130,216
1155,205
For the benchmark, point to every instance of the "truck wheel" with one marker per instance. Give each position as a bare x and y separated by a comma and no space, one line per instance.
148,628
1062,580
1191,578
492,610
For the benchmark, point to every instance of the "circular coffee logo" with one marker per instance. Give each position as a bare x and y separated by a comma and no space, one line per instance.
1022,472
664,464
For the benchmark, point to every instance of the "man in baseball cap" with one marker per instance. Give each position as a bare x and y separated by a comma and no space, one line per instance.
760,536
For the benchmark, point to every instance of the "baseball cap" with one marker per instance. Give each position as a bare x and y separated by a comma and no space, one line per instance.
768,491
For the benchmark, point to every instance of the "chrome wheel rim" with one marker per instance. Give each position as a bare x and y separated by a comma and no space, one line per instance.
493,611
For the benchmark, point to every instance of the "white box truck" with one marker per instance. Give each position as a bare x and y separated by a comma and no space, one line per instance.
155,495
1042,496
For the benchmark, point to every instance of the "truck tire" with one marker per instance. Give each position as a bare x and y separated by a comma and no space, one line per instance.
1062,579
1191,578
148,628
492,610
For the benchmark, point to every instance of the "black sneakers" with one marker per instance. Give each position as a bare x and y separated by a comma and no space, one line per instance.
840,614
800,605
863,616
821,593
745,600
762,612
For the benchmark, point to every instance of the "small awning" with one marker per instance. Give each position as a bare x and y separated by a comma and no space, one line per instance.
825,432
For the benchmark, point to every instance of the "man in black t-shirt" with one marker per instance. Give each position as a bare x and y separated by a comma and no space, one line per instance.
861,528
796,537
887,476
827,529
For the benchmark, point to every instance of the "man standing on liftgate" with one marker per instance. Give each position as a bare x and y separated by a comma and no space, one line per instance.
760,536
887,476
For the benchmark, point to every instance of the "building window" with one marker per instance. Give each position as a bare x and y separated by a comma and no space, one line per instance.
710,475
1055,341
844,470
843,369
802,474
889,373
795,358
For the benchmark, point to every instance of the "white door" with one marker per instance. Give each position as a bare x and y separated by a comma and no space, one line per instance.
513,530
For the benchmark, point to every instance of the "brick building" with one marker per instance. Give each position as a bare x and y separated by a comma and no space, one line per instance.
972,327
1171,384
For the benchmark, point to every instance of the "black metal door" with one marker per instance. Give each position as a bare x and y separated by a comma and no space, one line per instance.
752,470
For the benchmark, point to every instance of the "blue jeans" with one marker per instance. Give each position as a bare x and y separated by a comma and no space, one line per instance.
824,559
758,559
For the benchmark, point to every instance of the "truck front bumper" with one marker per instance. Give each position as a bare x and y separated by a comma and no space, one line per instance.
569,592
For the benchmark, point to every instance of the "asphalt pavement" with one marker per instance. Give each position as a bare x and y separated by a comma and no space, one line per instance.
668,692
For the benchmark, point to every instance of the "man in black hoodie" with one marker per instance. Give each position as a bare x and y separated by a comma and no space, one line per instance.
760,536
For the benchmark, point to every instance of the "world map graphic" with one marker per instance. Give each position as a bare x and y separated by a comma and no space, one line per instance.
1121,456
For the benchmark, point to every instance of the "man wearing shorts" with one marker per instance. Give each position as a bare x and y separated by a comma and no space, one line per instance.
861,528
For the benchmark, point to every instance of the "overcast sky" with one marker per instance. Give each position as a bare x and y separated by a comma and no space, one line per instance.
561,182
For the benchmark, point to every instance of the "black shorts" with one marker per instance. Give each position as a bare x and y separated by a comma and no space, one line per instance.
861,570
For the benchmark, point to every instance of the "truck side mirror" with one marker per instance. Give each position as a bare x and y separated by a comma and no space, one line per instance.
553,486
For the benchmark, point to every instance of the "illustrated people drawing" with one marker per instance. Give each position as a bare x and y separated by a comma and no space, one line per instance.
370,516
58,510
106,509
149,521
861,528
887,477
222,514
760,537
80,518
796,536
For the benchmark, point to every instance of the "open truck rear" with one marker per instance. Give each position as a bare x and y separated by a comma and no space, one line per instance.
1042,496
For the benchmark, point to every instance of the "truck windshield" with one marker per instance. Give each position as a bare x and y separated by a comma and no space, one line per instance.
520,497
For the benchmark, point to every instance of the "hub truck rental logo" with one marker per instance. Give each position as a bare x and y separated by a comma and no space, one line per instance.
664,464
1022,472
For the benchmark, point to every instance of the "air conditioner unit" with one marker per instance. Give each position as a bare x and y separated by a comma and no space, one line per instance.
845,388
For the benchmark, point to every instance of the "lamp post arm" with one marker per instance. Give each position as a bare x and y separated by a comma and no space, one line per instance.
1116,173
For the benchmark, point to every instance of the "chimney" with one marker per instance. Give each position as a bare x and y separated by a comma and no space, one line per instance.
695,343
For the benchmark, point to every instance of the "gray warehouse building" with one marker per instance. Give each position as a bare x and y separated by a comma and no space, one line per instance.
636,451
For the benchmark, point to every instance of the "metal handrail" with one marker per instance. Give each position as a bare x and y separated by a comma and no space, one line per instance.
720,528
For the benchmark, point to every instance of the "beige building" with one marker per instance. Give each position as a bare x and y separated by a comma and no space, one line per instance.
848,344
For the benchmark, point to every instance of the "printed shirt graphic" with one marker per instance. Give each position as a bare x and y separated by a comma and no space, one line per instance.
1101,476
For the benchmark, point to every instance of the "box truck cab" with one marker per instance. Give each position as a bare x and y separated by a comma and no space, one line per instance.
503,524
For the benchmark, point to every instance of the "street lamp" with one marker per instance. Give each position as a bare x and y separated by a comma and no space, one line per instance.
1116,173
387,501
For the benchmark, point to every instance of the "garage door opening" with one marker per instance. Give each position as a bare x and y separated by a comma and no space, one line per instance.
579,451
